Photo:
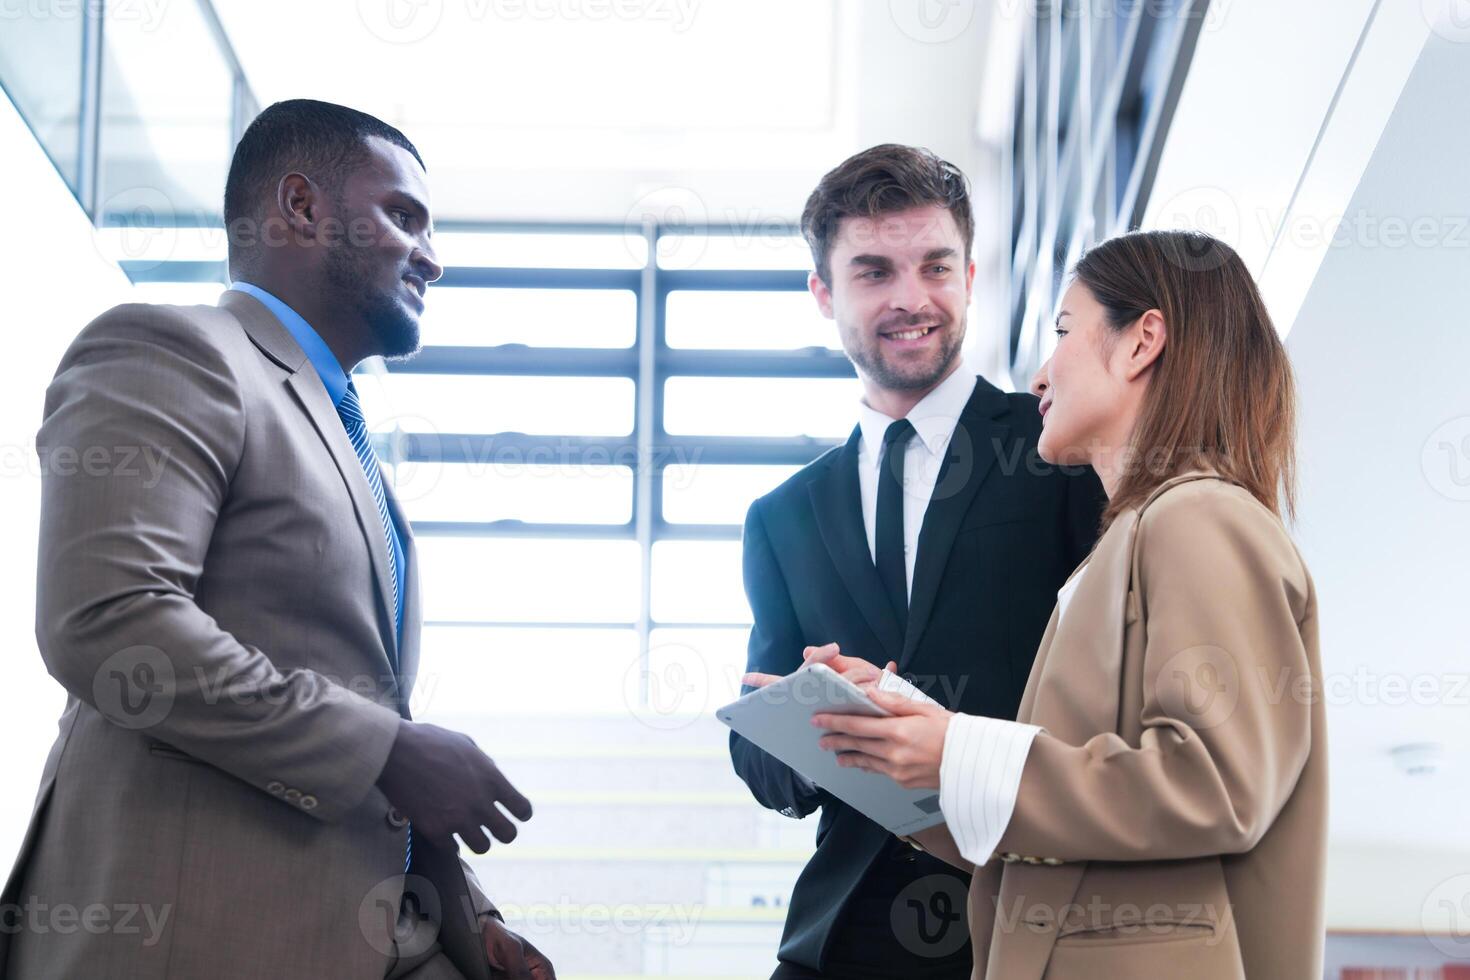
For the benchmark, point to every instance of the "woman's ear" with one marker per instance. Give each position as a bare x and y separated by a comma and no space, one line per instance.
1146,341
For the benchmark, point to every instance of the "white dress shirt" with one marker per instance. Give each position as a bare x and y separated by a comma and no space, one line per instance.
934,419
980,771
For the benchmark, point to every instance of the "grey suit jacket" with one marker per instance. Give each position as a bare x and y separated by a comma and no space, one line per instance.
213,593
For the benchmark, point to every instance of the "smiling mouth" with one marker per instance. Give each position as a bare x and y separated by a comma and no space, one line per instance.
414,286
914,334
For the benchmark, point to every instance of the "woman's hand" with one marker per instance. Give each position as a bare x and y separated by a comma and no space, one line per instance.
855,669
907,747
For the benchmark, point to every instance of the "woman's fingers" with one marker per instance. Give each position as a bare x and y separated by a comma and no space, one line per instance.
848,743
759,680
881,728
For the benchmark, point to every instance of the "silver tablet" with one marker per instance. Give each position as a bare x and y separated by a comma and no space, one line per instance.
777,718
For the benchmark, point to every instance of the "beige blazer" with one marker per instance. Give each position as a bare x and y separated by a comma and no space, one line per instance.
1171,819
212,593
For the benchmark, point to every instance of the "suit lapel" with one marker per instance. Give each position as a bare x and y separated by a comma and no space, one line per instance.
323,414
837,502
267,333
968,459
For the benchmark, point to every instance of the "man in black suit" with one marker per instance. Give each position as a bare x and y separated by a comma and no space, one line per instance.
935,538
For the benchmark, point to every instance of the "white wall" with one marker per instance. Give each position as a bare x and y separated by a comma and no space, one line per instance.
56,280
1313,136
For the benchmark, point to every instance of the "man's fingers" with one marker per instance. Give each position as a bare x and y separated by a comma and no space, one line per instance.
503,829
475,840
510,798
759,680
821,654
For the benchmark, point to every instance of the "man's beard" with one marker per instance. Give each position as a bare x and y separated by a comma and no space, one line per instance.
868,355
348,273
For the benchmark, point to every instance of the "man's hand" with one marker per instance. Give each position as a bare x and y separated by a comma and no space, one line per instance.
857,670
511,956
444,784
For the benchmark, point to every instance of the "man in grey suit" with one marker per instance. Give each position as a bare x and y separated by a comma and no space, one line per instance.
228,592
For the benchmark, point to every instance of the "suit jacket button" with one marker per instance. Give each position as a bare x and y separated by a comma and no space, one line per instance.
396,820
275,788
293,795
308,802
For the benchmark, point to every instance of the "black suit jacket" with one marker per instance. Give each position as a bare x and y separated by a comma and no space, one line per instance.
1002,532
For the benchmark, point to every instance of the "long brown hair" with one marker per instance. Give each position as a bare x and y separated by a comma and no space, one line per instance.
1222,395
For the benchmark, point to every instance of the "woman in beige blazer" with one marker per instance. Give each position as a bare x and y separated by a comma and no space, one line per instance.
1159,807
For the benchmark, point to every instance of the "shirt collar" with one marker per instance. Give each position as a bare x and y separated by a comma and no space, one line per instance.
934,417
328,368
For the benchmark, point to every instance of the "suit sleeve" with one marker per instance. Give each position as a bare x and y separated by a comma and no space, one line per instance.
1223,594
122,550
775,648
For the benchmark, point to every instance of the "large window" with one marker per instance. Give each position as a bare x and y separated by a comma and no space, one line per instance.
1096,89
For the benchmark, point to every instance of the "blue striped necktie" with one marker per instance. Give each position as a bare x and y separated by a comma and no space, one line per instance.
350,411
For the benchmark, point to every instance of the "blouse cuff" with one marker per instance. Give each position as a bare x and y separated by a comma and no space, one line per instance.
979,778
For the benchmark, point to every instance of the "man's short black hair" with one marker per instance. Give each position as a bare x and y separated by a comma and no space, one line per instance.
319,139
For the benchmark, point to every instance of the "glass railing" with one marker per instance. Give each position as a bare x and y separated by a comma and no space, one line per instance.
137,105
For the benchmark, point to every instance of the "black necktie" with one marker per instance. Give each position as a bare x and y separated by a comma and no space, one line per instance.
889,557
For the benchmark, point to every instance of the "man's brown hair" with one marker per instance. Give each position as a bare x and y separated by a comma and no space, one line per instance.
881,180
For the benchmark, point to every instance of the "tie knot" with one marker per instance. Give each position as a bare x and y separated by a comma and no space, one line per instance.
898,433
349,408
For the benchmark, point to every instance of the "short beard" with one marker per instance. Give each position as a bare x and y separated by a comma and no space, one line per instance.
870,361
347,272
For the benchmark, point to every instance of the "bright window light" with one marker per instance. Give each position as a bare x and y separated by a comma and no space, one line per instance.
496,671
718,493
522,580
450,403
541,250
467,317
698,582
788,407
514,490
715,320
746,248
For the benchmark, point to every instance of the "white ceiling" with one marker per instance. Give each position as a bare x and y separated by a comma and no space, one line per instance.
594,109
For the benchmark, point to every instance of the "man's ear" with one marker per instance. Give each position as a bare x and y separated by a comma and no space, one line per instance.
822,292
298,205
1146,340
